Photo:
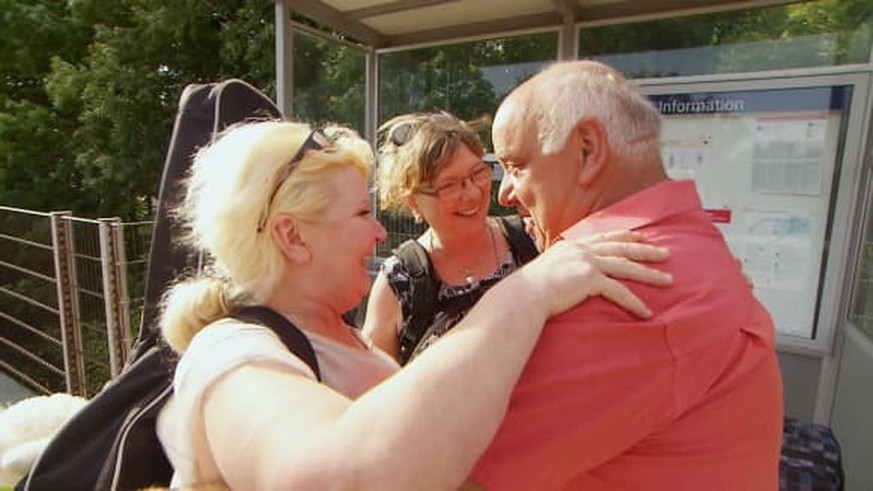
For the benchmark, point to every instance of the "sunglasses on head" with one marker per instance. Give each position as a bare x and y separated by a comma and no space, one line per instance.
402,132
315,141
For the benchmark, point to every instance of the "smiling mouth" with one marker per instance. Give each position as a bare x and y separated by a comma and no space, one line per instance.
469,213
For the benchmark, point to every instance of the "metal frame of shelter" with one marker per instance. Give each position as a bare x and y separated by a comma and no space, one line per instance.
825,375
380,26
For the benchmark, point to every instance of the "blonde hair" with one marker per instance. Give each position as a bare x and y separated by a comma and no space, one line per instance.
228,191
586,88
425,143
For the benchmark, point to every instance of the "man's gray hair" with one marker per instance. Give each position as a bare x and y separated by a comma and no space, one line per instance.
586,89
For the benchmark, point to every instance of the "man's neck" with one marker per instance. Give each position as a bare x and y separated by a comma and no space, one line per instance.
624,181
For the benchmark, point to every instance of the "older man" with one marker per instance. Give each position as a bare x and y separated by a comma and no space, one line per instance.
689,399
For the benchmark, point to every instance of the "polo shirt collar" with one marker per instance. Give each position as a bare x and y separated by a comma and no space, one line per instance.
656,202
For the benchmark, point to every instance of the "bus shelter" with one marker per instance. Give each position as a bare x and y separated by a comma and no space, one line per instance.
766,106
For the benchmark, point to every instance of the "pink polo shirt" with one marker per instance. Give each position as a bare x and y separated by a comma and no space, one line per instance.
689,399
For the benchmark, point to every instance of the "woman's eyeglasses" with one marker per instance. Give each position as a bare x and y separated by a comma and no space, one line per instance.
315,141
451,190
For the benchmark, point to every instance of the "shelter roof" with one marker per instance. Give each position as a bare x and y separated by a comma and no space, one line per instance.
395,23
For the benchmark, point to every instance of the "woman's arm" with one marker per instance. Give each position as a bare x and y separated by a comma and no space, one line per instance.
425,427
383,317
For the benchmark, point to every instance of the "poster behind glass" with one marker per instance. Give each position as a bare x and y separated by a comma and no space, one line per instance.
765,164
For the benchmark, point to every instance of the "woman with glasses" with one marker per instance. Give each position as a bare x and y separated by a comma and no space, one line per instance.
283,214
431,165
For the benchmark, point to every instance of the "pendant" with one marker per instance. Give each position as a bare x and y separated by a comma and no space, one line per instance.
470,279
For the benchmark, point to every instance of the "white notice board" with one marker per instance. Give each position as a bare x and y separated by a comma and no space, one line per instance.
765,164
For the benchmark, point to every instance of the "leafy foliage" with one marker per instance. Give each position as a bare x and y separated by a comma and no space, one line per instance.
89,89
806,34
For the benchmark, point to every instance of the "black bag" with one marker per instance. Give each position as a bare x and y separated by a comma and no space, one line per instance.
810,459
426,314
111,442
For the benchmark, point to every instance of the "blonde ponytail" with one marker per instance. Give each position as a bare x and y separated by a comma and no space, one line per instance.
191,305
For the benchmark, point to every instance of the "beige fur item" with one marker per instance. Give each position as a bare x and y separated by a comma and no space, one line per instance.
27,426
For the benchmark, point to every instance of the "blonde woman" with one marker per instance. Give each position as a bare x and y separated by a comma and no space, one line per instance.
283,212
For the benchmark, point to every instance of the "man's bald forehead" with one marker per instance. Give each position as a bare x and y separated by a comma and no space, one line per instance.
512,107
559,70
506,117
513,127
588,66
521,102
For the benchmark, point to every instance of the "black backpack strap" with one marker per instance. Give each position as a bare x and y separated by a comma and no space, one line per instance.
520,242
291,335
424,285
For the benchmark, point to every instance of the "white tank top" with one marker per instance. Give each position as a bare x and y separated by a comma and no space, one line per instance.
228,344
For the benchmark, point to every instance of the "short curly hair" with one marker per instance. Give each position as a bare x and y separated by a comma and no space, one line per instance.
413,148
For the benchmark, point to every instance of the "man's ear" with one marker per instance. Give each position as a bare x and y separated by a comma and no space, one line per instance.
592,144
289,240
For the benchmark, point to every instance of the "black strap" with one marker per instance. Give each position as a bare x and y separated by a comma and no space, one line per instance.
291,335
422,311
520,242
423,285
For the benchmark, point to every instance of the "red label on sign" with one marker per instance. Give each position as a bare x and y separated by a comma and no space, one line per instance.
719,215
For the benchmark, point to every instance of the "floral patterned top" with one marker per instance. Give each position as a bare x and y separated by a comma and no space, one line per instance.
399,279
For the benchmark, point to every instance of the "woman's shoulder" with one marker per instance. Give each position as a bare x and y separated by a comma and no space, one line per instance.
228,331
229,343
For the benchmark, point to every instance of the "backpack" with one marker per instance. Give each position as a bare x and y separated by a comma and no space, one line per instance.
422,312
111,443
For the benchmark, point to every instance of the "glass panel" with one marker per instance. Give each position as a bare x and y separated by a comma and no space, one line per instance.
819,33
329,81
467,79
766,163
862,296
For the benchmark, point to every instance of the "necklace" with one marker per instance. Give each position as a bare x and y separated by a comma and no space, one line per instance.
469,277
468,273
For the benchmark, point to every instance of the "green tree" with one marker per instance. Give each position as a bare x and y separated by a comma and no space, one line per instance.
86,110
127,87
440,78
805,34
329,81
36,170
88,88
88,92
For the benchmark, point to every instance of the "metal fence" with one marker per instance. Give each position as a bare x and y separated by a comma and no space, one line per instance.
67,317
71,294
